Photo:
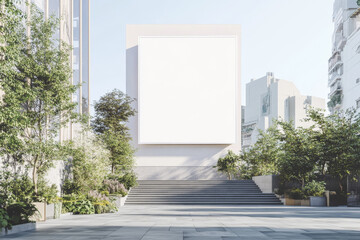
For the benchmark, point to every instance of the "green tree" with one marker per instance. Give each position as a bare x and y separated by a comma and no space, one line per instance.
228,164
296,160
89,162
112,112
37,94
338,143
358,2
121,157
12,44
262,157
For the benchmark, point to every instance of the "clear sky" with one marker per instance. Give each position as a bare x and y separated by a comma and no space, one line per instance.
291,38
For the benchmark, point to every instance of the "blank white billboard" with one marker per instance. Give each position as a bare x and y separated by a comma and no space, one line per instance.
187,90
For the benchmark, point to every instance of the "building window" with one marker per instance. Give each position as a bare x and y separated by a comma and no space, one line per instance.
357,80
358,103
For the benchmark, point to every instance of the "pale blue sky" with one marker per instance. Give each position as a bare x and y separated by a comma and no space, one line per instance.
291,38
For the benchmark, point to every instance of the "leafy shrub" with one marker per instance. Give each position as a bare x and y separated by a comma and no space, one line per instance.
101,202
129,180
315,189
46,193
70,187
16,195
296,193
20,212
4,219
68,202
94,202
113,186
228,164
83,207
21,190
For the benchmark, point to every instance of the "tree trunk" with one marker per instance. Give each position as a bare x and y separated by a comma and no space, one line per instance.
34,177
229,175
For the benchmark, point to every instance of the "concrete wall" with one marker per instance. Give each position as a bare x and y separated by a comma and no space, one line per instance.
158,161
267,183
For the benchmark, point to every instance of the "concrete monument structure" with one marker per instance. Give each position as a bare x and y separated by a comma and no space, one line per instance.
186,82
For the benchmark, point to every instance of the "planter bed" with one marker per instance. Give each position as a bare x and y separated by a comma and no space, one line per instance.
18,228
297,202
119,200
318,201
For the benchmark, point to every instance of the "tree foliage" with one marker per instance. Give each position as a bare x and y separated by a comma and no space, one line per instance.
296,161
112,112
262,157
35,78
228,164
330,146
89,162
338,143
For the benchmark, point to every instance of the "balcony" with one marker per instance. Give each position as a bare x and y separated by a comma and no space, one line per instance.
336,88
334,76
334,61
340,43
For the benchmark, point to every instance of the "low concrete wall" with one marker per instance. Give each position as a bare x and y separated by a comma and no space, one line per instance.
18,228
119,201
178,173
50,211
267,183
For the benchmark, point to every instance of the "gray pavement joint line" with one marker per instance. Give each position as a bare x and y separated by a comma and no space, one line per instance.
146,232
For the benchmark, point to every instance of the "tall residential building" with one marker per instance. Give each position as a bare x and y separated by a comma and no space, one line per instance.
344,64
75,30
269,99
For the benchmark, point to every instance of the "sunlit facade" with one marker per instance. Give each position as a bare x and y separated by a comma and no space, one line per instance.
74,30
344,64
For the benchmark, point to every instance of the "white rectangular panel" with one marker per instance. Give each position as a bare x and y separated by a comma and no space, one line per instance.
187,90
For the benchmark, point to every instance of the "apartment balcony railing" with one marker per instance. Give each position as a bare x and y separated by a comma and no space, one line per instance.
341,41
335,89
334,61
334,76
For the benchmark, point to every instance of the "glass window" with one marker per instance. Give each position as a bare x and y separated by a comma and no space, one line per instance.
40,4
54,8
358,103
76,49
85,56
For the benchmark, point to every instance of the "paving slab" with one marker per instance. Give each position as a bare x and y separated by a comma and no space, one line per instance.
171,222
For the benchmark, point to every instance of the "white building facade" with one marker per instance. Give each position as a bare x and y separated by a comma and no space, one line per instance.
344,64
186,82
269,99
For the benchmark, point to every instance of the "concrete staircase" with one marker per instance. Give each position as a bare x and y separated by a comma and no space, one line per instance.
205,192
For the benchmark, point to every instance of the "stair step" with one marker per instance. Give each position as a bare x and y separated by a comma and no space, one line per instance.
207,192
205,203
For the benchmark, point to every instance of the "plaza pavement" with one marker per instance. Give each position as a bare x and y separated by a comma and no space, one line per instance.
170,222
